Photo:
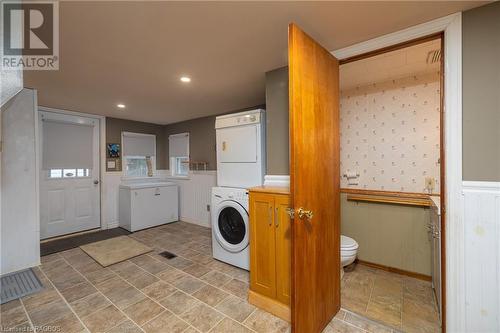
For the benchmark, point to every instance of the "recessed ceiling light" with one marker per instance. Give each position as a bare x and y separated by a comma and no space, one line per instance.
185,79
121,106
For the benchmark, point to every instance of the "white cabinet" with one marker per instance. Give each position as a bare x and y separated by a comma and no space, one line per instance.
148,205
435,231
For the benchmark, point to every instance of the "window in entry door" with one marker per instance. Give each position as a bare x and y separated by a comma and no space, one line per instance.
68,173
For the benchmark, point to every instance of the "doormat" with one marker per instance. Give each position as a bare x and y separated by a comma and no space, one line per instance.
19,284
68,243
115,250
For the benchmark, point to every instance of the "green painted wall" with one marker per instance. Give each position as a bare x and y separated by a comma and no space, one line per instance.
115,127
390,235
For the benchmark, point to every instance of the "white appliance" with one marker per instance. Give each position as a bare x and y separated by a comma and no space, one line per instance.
241,152
230,226
348,250
147,204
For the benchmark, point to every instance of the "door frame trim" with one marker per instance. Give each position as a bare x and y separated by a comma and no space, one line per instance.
451,26
102,152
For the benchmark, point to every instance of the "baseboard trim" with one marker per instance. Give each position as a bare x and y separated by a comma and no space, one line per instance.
73,234
188,220
492,187
270,305
114,224
415,275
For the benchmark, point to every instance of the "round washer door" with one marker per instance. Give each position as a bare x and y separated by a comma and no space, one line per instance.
231,227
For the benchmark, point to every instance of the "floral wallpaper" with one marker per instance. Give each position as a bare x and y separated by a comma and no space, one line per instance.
389,134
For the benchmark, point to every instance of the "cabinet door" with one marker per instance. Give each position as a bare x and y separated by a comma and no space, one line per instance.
262,245
283,248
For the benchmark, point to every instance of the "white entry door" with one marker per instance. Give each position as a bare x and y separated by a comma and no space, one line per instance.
69,181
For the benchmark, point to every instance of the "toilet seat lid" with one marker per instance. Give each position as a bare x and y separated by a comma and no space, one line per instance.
347,242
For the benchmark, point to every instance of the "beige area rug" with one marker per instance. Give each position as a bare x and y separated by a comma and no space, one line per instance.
115,250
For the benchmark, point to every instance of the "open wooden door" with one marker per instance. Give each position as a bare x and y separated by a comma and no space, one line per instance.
314,182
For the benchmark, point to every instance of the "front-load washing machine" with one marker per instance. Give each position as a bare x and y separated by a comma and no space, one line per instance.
230,226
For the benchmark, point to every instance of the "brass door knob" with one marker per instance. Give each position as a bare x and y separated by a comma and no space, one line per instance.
302,213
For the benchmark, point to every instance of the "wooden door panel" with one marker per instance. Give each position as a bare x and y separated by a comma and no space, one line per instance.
314,182
262,245
283,248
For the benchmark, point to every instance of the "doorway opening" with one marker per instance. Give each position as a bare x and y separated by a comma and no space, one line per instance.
392,180
69,174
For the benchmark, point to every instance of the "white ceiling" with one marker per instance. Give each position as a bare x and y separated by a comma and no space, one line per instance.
134,52
387,66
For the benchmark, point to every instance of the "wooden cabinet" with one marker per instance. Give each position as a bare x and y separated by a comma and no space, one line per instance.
270,250
283,248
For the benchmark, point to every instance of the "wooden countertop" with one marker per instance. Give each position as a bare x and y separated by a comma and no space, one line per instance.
270,189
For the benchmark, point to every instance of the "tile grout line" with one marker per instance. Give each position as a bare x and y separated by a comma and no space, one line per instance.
199,278
27,315
112,303
64,299
154,240
251,313
379,322
147,296
366,319
190,295
177,289
371,293
205,282
352,325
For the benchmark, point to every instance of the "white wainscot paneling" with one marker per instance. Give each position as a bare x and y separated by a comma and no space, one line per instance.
277,180
482,256
110,187
194,196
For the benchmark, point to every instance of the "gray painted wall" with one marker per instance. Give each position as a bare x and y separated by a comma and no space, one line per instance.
115,127
481,93
277,130
201,139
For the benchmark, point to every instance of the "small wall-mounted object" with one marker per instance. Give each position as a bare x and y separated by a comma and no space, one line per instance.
352,177
113,164
113,153
113,150
430,184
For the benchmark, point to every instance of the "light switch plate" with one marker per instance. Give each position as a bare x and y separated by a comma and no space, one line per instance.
430,184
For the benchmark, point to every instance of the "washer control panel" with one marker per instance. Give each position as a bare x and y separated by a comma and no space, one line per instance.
238,196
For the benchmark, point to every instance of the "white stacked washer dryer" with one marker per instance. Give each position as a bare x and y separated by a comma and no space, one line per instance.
241,162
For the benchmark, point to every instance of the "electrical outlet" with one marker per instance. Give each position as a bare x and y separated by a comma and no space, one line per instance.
208,208
430,184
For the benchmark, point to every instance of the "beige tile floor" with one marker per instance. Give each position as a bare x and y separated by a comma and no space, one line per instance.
190,293
402,302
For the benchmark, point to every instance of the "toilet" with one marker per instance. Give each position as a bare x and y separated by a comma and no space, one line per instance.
348,250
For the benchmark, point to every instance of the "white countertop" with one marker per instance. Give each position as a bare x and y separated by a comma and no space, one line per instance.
138,185
436,202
